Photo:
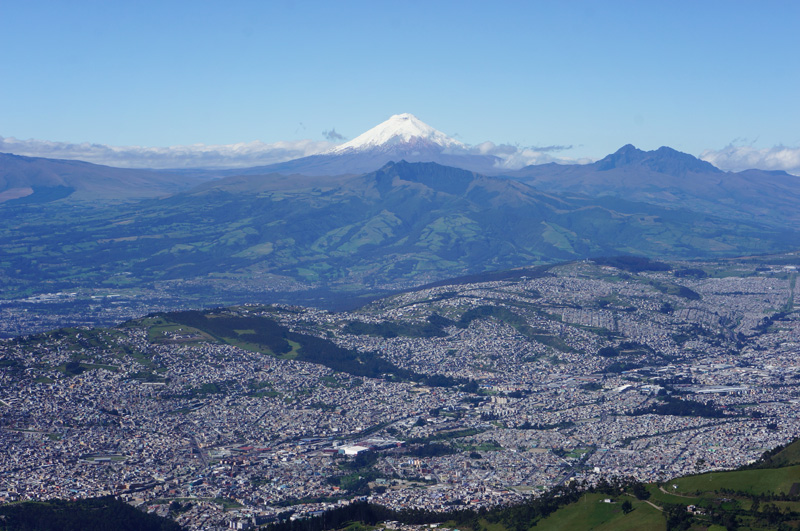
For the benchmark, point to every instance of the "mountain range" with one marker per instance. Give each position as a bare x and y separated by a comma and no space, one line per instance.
673,179
398,206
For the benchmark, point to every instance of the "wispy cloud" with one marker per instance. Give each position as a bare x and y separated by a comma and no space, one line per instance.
515,157
333,136
241,155
740,157
550,149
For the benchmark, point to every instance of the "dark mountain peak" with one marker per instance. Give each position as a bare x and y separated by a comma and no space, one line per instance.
624,156
389,166
410,171
430,174
629,150
663,160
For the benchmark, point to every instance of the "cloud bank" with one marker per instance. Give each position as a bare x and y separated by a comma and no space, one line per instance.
738,158
515,157
249,154
245,155
241,155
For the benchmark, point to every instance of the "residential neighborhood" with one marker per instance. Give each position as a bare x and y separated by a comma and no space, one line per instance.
584,372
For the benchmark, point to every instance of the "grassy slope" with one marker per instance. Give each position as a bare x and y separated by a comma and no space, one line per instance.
787,456
764,481
590,512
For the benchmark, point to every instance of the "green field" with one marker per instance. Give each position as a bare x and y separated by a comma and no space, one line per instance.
779,480
591,512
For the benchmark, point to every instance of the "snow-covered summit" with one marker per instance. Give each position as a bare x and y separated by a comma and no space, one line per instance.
399,129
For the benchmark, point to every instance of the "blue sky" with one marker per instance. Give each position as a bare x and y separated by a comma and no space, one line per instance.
696,76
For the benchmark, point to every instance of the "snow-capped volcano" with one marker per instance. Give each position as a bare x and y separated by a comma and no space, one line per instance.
399,129
401,137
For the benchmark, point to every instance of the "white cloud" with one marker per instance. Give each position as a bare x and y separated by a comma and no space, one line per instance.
515,157
245,154
241,155
737,158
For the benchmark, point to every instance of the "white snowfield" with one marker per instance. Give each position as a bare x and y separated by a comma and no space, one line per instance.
399,129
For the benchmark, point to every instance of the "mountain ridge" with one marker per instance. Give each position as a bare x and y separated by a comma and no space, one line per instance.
34,178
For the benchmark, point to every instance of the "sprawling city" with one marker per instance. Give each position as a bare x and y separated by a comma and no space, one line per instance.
484,393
